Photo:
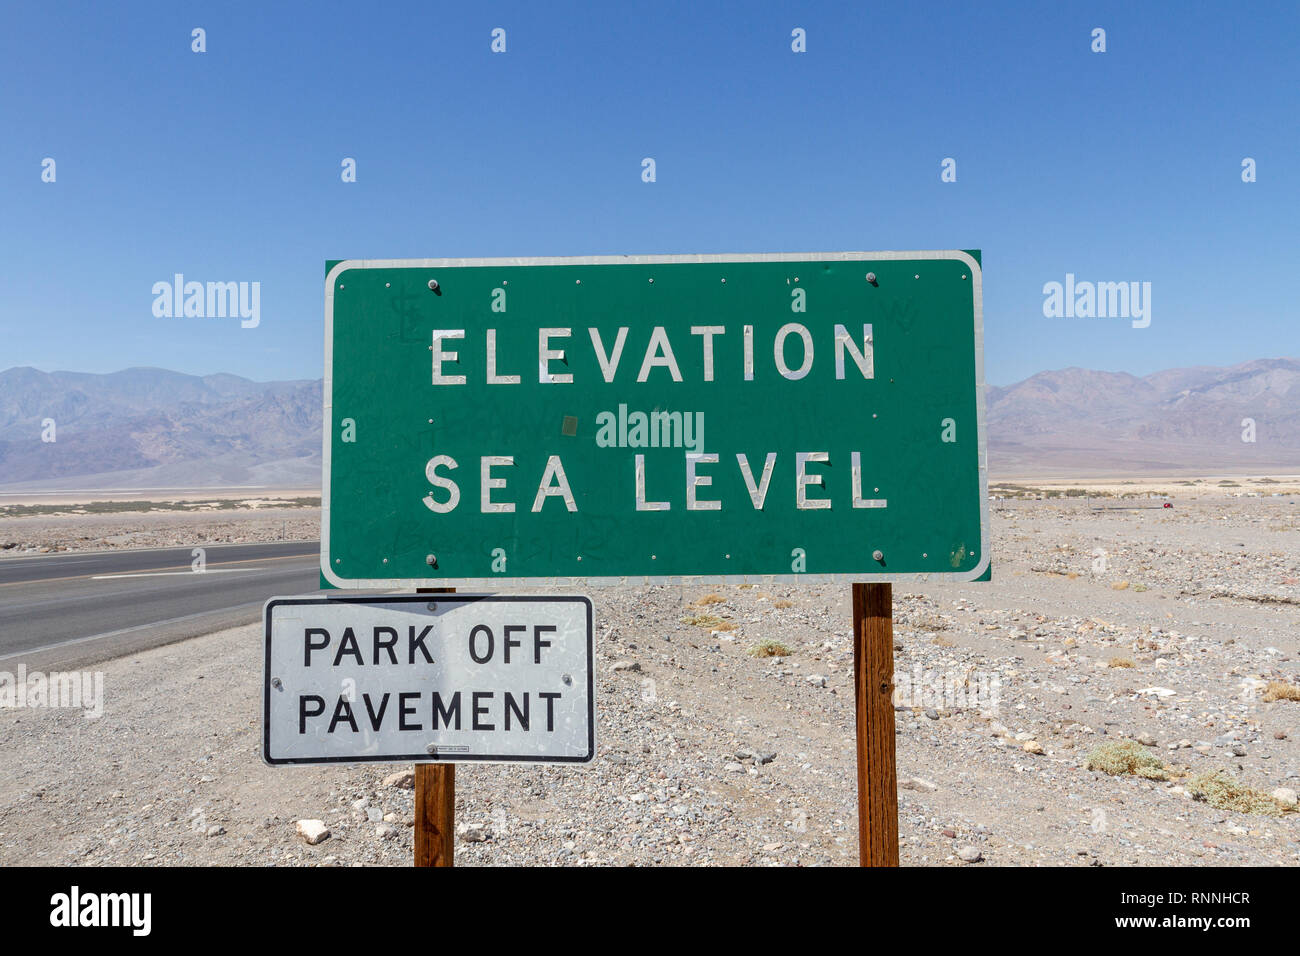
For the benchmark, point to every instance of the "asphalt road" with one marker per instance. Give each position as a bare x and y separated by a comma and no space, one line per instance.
61,608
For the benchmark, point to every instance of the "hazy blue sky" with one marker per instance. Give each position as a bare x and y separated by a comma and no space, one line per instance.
225,165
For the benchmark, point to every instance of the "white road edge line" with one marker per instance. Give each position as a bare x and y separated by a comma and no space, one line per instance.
174,547
163,574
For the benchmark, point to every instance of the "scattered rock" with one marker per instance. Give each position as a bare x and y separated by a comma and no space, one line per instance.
474,833
1157,691
403,779
313,831
970,854
1285,797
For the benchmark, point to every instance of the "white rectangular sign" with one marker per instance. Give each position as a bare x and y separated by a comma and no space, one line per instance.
428,678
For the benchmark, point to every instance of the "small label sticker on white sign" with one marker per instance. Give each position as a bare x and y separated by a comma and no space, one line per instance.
428,678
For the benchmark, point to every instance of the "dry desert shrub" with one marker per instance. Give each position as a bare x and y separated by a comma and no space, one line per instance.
702,620
1121,662
1126,756
1281,690
769,648
1221,791
928,622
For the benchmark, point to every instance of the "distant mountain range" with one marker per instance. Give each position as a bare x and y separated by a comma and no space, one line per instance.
1190,420
153,428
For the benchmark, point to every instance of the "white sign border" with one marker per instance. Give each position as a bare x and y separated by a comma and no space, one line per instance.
494,583
317,599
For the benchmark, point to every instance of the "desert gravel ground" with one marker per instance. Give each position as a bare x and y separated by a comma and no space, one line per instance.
709,755
45,534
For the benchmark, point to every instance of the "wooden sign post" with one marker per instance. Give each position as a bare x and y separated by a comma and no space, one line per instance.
435,803
873,693
435,814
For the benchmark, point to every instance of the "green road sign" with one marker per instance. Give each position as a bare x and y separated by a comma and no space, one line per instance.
505,422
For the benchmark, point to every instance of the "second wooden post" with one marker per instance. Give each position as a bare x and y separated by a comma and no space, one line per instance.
873,694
